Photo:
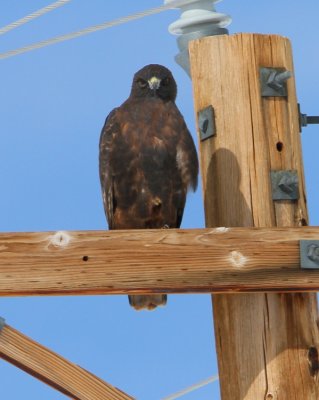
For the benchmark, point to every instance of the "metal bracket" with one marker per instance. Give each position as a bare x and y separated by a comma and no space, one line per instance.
206,123
309,254
305,120
2,323
284,185
273,81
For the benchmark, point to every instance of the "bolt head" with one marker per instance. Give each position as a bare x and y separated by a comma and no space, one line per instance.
288,183
206,122
204,125
313,253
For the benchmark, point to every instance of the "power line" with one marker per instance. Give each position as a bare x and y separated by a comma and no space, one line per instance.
32,16
196,386
94,28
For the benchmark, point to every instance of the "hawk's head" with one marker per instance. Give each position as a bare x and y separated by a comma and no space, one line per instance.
154,80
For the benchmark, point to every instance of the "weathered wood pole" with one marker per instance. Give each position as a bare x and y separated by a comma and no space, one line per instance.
267,344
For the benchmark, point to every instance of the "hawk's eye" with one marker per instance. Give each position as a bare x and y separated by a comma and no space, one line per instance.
166,81
141,83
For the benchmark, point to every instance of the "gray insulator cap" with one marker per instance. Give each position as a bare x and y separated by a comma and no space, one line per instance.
198,19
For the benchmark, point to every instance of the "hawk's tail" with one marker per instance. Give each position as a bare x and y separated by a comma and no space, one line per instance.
141,302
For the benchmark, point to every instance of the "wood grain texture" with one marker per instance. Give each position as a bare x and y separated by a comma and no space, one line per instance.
152,261
53,369
266,343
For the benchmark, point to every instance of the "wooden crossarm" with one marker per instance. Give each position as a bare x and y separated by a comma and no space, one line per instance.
154,261
53,369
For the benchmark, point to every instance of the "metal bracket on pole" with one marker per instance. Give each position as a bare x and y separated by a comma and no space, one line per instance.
309,254
284,185
273,81
305,120
2,323
206,123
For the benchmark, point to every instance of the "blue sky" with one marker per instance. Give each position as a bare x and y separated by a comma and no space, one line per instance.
53,105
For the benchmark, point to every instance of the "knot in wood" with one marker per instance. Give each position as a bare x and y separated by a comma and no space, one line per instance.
220,229
237,259
60,239
269,396
313,360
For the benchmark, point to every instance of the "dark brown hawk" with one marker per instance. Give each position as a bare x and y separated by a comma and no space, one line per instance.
147,161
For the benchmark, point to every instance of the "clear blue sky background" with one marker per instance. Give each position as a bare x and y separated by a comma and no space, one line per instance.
53,105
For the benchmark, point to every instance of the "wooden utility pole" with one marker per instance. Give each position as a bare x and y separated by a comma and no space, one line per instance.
267,344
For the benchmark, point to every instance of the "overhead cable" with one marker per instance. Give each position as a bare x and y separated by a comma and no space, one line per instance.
94,28
196,386
32,16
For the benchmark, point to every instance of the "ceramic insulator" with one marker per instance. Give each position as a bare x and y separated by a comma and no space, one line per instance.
198,19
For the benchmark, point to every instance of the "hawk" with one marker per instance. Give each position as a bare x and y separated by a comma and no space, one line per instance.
147,161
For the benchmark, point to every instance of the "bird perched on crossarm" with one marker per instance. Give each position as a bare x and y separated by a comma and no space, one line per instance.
147,161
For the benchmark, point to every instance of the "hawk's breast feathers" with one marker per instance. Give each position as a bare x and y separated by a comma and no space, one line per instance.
146,155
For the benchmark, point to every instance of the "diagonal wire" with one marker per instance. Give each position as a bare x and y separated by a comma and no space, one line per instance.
196,386
94,28
32,16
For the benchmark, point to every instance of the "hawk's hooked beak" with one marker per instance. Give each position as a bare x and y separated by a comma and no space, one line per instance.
154,83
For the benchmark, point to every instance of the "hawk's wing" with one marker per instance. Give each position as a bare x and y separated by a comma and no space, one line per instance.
109,130
186,154
187,163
